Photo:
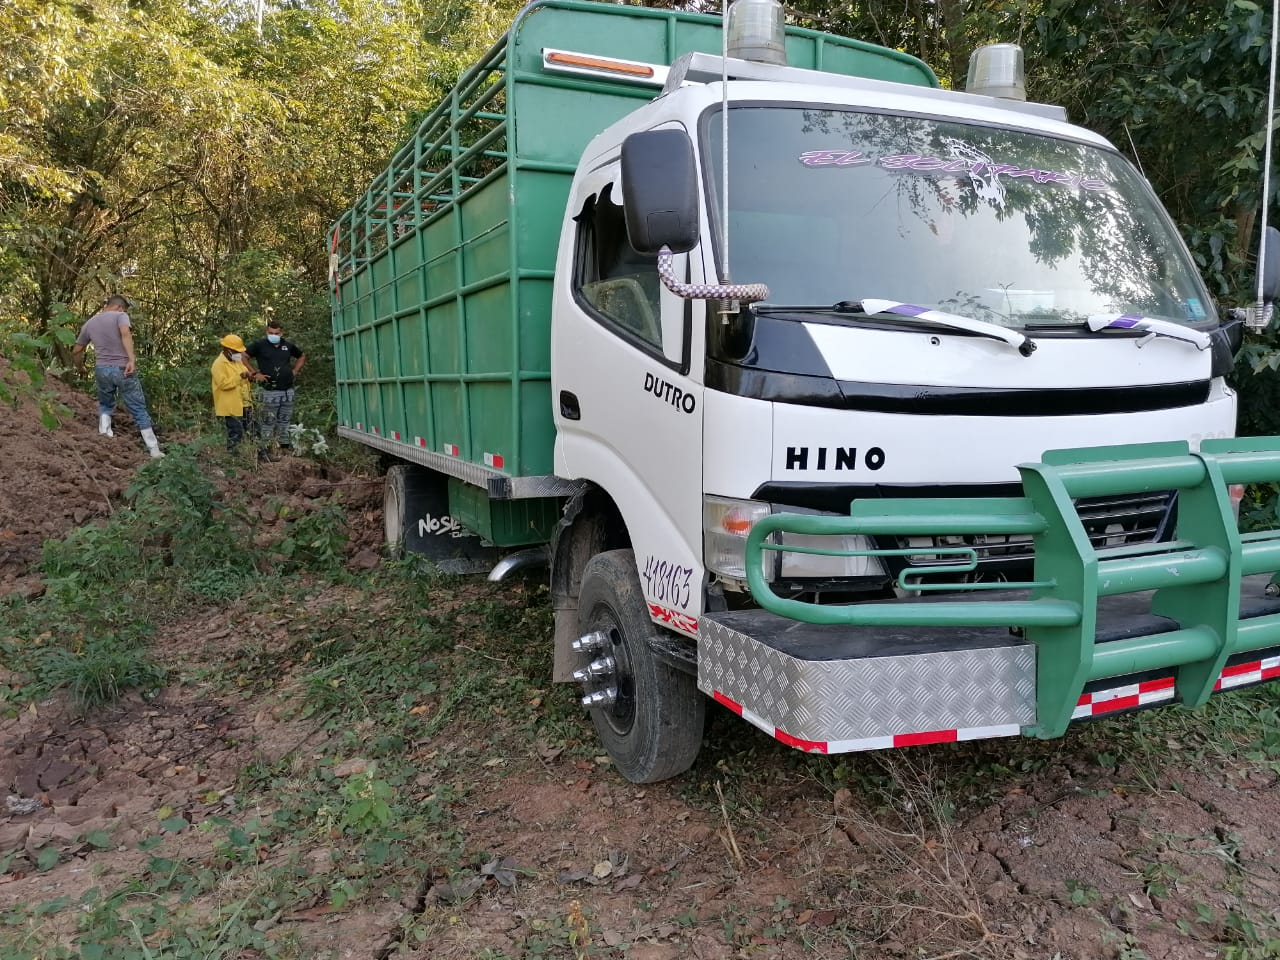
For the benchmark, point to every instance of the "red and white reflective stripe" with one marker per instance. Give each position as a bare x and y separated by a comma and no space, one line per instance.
359,425
374,429
493,460
419,441
1157,691
1253,672
451,449
1093,704
869,743
1123,698
674,619
395,434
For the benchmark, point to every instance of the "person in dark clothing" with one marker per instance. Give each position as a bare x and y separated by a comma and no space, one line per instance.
280,361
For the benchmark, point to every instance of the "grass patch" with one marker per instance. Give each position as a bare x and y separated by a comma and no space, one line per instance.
179,541
99,672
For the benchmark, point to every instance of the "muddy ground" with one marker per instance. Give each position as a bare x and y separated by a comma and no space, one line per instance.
1077,860
1133,837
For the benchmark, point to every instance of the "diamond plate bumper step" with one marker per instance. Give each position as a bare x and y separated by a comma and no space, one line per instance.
834,689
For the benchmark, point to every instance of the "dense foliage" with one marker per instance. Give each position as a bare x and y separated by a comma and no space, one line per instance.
175,151
192,156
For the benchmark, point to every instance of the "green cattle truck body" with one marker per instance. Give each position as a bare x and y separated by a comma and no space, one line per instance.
442,271
968,471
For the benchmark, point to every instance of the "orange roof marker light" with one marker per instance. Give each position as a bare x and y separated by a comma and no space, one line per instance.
582,64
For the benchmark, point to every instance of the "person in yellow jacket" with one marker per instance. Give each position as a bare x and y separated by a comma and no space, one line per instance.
230,384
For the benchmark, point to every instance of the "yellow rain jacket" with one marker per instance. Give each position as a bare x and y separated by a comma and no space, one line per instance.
227,398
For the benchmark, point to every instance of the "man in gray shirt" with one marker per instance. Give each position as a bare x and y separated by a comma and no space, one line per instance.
115,368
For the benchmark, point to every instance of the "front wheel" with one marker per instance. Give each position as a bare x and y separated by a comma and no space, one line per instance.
652,728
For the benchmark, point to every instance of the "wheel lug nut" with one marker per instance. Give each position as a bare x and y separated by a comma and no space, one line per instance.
601,698
597,668
590,642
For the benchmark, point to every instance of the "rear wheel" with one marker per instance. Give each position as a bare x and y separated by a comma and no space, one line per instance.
652,727
417,520
394,501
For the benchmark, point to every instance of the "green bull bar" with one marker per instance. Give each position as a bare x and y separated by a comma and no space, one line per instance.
1196,577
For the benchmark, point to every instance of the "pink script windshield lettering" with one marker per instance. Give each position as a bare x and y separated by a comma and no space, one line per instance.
925,164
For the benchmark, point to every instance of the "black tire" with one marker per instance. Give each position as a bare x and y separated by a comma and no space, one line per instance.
394,500
654,729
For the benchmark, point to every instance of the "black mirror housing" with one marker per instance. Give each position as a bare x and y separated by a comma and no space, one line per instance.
1232,330
1269,266
660,191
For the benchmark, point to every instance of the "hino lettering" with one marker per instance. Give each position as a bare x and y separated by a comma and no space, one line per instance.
669,392
840,458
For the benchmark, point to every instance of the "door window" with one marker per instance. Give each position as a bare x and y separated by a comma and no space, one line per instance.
617,283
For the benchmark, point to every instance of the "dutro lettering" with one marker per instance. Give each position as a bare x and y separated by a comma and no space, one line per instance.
669,392
840,458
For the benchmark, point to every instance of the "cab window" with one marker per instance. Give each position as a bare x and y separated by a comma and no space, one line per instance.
618,284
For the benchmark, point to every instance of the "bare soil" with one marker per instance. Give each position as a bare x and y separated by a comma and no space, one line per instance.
53,480
1076,861
1009,849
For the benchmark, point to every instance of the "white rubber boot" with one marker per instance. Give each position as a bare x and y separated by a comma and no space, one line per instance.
104,425
153,445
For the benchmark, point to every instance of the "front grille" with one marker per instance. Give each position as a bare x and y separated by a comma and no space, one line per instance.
1108,521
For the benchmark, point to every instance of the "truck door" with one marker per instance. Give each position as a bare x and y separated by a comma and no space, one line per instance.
629,397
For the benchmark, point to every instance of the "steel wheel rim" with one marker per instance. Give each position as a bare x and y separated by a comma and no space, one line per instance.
621,714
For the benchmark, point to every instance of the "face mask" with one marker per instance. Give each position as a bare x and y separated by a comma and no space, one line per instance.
273,337
237,357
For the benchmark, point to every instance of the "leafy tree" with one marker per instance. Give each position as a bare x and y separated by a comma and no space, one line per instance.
1181,84
170,150
173,150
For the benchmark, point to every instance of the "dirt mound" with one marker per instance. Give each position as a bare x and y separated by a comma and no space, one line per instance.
55,479
292,487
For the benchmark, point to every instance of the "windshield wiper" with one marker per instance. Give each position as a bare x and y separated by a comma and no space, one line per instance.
909,313
1151,326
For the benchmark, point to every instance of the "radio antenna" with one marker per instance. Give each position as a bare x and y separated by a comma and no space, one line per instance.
1261,317
724,139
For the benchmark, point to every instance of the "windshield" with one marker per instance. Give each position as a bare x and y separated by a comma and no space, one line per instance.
830,205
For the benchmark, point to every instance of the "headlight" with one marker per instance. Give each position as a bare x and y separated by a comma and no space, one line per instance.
813,566
726,523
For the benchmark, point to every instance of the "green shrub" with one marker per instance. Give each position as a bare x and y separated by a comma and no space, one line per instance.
315,540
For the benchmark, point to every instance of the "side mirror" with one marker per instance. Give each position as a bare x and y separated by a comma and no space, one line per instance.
660,191
1269,266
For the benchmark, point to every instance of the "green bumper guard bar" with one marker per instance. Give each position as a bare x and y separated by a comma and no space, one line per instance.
1196,576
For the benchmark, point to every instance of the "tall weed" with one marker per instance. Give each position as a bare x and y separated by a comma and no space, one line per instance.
315,540
178,513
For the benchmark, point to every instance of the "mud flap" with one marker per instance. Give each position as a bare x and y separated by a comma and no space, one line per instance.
429,530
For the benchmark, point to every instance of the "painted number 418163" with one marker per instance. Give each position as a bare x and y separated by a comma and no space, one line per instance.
667,582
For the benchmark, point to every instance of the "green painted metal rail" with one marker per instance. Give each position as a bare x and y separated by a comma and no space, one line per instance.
442,269
1195,578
